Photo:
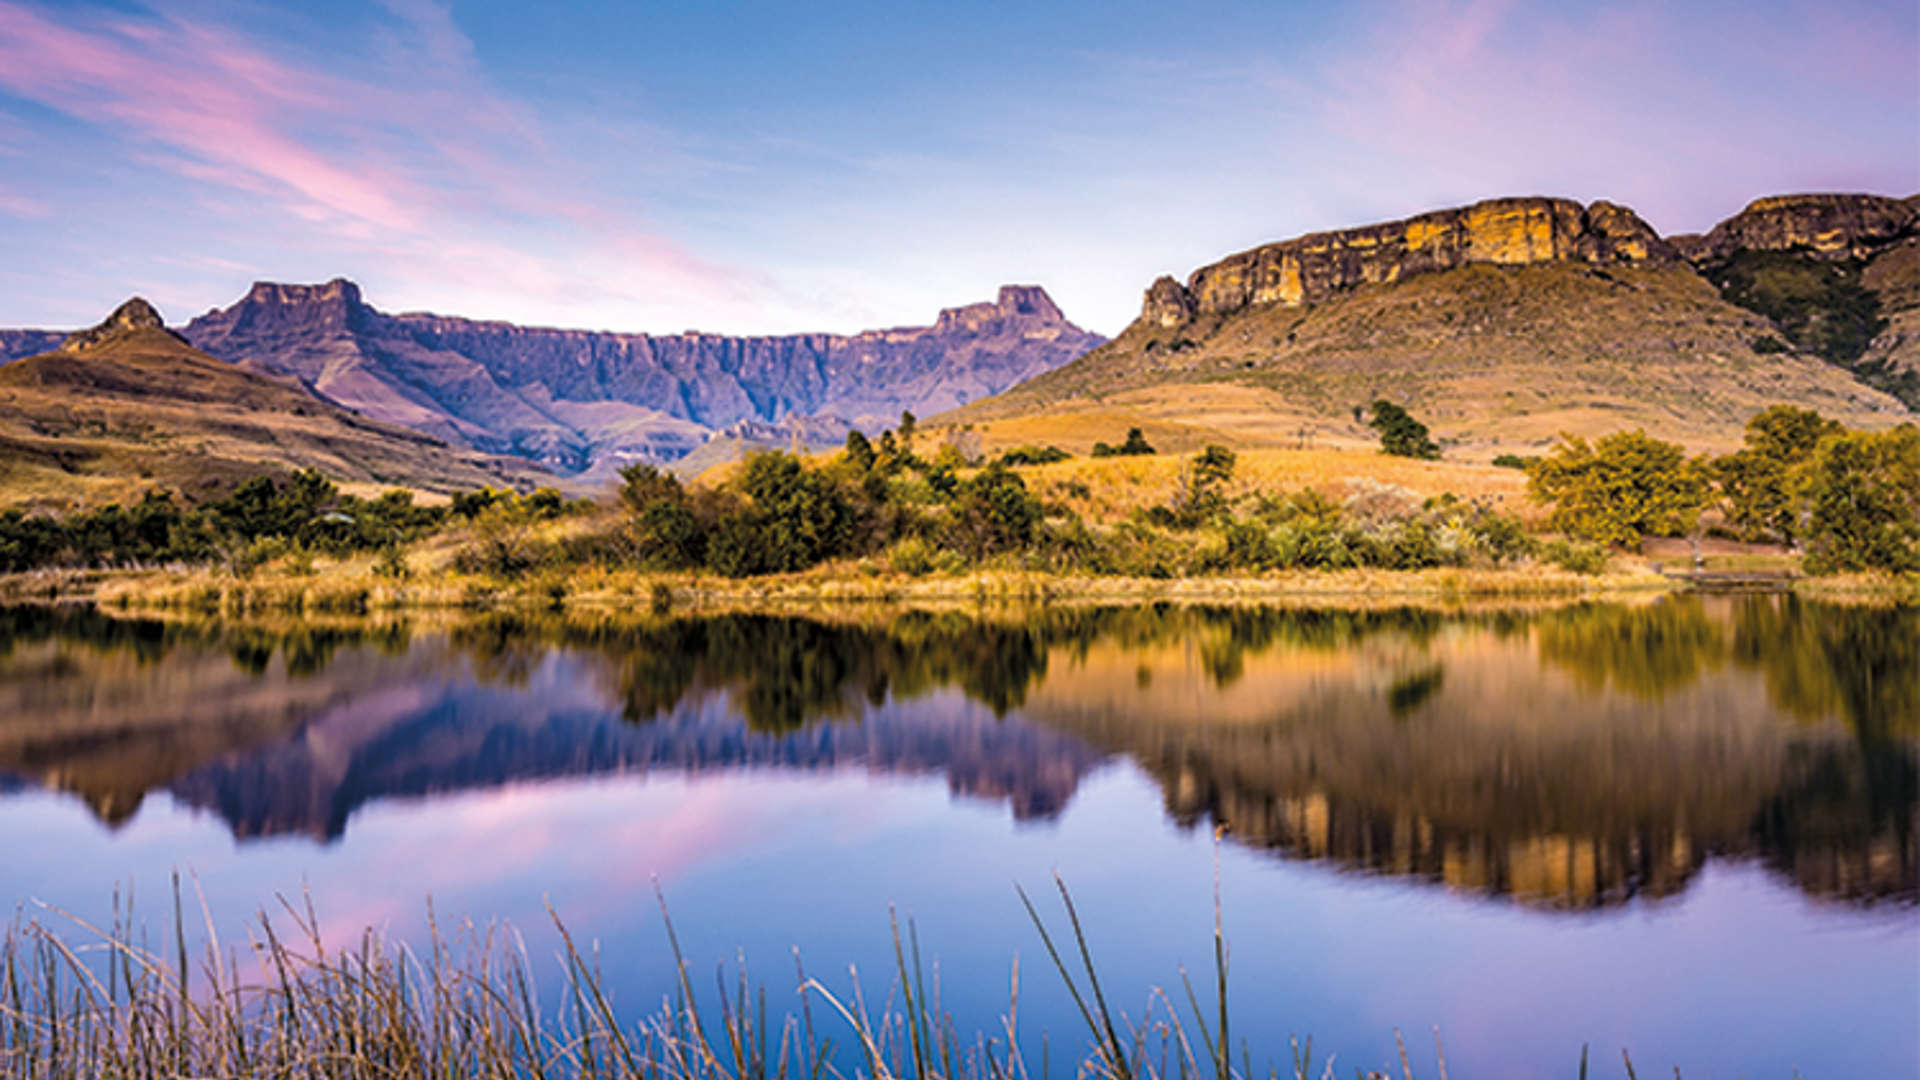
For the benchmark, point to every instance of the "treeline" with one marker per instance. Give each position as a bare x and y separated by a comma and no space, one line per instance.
262,519
783,514
1849,499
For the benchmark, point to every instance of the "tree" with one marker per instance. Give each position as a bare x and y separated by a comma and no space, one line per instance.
1400,434
994,511
1756,480
1136,444
909,426
1625,487
642,485
1197,492
1862,491
802,516
859,452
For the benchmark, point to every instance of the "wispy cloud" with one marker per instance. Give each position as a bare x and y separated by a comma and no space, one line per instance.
1663,106
413,161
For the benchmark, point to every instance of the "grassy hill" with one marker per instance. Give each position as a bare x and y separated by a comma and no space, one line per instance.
129,406
1498,355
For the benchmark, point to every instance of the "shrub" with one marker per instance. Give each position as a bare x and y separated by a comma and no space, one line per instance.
994,512
1034,455
1400,434
1135,444
1513,461
912,557
1576,557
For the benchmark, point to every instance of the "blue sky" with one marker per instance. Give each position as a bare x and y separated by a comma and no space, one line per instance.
760,167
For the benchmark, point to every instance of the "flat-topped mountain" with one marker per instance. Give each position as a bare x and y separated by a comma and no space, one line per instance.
129,404
578,400
1504,323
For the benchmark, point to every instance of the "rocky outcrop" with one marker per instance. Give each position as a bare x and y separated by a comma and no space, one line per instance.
1834,227
1322,265
135,314
578,400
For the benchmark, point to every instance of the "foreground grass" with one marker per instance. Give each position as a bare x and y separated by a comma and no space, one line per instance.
98,1003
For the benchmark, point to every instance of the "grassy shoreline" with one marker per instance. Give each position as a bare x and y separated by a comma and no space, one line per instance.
354,586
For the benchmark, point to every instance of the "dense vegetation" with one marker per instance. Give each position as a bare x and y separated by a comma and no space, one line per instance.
1849,500
264,518
1821,307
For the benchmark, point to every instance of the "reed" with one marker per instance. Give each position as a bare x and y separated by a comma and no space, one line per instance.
80,1001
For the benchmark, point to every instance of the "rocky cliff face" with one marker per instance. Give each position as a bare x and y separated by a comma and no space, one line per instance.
577,400
1323,265
1826,226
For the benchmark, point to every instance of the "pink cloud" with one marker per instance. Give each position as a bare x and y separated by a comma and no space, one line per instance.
416,162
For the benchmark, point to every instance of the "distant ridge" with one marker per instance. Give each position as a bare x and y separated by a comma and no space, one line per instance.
1509,321
582,401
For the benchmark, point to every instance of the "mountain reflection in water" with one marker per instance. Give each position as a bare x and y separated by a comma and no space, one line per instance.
1567,758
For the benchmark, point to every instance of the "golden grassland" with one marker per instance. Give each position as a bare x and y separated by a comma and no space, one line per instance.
1112,488
1494,359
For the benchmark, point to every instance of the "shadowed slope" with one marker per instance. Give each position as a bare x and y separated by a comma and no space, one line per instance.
128,404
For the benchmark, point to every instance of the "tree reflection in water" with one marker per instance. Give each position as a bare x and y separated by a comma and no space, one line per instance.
1570,758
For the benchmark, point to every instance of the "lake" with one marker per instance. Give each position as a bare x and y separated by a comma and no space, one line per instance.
1684,826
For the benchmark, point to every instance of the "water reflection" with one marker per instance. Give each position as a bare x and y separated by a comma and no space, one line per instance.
1570,758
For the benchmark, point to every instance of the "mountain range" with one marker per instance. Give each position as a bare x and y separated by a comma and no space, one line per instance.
1508,322
580,401
1502,325
129,404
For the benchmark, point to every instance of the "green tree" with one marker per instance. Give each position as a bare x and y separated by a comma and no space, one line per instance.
1621,489
1400,434
802,515
859,452
1862,491
1756,480
1136,443
994,511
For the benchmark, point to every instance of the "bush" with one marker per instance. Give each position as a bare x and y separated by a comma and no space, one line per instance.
1034,455
1136,444
912,557
1513,461
1577,557
994,512
1400,434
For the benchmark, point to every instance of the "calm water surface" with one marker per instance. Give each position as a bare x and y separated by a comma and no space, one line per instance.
1686,827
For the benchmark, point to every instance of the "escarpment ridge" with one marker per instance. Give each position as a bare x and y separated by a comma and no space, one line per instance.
1517,232
1507,322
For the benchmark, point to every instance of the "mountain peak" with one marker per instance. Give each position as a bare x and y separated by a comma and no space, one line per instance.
338,292
135,314
1028,300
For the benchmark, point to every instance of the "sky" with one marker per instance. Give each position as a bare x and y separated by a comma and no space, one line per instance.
747,167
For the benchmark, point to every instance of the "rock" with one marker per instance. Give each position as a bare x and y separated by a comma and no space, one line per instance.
1168,303
1825,226
1515,231
135,314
